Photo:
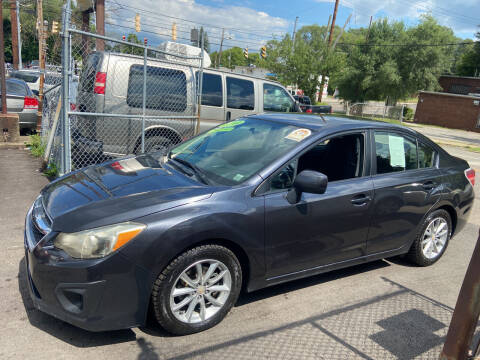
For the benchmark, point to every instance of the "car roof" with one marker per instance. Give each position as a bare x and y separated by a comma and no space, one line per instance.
328,123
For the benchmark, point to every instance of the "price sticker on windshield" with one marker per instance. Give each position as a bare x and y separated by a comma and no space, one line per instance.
298,135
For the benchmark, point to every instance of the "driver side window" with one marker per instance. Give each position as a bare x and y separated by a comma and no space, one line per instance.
276,99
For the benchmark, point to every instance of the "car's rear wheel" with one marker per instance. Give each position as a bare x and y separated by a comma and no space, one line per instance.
197,289
432,240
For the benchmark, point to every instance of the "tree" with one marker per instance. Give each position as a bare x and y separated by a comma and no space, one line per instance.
302,63
230,58
376,70
469,61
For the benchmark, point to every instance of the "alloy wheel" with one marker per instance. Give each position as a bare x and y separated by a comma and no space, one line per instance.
435,237
200,291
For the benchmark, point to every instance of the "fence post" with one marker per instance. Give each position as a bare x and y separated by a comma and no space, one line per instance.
200,85
66,163
144,100
401,113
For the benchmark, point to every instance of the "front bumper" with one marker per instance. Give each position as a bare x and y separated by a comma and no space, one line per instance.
96,295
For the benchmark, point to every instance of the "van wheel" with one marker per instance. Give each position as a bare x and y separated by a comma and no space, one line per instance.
154,144
197,289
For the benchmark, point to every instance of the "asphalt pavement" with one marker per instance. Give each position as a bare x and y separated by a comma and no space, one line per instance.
387,309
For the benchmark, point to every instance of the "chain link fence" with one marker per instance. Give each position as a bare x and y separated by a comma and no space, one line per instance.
118,97
376,111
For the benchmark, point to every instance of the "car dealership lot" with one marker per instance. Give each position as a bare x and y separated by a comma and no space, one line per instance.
385,309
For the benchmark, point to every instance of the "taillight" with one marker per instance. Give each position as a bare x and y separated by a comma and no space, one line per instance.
116,165
73,106
30,103
470,175
309,110
100,80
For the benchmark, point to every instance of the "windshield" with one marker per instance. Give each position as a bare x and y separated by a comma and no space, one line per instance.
232,152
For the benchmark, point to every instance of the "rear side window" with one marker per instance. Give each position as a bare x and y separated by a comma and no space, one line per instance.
27,77
166,88
395,152
276,99
240,94
212,94
426,156
14,88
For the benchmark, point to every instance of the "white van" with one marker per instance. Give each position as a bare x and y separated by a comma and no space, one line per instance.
112,83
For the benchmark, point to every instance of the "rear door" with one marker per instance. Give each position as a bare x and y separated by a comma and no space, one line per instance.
240,97
406,184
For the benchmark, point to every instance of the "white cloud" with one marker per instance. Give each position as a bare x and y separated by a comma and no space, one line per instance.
463,16
246,26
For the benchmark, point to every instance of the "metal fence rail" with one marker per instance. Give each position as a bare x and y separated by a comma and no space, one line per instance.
376,111
117,97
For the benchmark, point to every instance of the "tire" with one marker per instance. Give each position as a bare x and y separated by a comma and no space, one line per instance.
155,143
426,249
179,319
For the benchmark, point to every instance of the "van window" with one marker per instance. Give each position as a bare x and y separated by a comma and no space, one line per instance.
240,94
212,94
166,88
276,98
87,78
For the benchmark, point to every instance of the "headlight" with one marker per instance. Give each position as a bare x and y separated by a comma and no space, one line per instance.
99,242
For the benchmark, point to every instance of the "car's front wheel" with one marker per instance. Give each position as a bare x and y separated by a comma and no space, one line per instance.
432,240
197,289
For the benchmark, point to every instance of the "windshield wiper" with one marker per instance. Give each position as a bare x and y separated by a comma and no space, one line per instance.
196,171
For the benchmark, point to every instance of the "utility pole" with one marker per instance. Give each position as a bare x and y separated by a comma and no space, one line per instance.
3,84
20,64
220,51
100,23
330,36
294,31
14,28
368,32
41,60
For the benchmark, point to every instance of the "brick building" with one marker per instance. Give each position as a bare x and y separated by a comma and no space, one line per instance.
457,106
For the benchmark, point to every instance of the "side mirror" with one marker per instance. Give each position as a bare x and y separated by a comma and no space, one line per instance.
308,181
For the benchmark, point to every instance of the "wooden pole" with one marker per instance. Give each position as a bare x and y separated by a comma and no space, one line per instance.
220,51
368,32
14,29
100,23
3,84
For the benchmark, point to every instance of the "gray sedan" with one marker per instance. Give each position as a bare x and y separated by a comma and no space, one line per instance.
22,101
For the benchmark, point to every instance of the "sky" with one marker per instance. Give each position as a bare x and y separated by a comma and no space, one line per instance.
252,23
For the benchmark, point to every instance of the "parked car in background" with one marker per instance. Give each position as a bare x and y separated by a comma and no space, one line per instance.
112,83
307,107
22,101
32,78
256,201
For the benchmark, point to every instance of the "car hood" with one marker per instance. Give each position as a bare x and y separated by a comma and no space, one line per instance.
118,191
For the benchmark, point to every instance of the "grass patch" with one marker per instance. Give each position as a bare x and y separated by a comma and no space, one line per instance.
37,148
474,148
51,171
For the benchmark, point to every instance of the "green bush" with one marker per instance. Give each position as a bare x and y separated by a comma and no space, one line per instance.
51,171
37,148
408,114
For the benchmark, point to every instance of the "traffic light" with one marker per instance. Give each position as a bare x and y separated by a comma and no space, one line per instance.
245,52
145,41
54,27
174,31
123,37
137,23
263,52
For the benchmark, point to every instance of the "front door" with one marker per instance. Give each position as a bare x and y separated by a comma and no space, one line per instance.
320,229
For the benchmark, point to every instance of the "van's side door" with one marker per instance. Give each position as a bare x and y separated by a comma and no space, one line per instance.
240,97
212,109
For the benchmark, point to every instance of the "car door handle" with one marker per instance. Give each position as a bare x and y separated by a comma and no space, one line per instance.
429,185
228,116
361,199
